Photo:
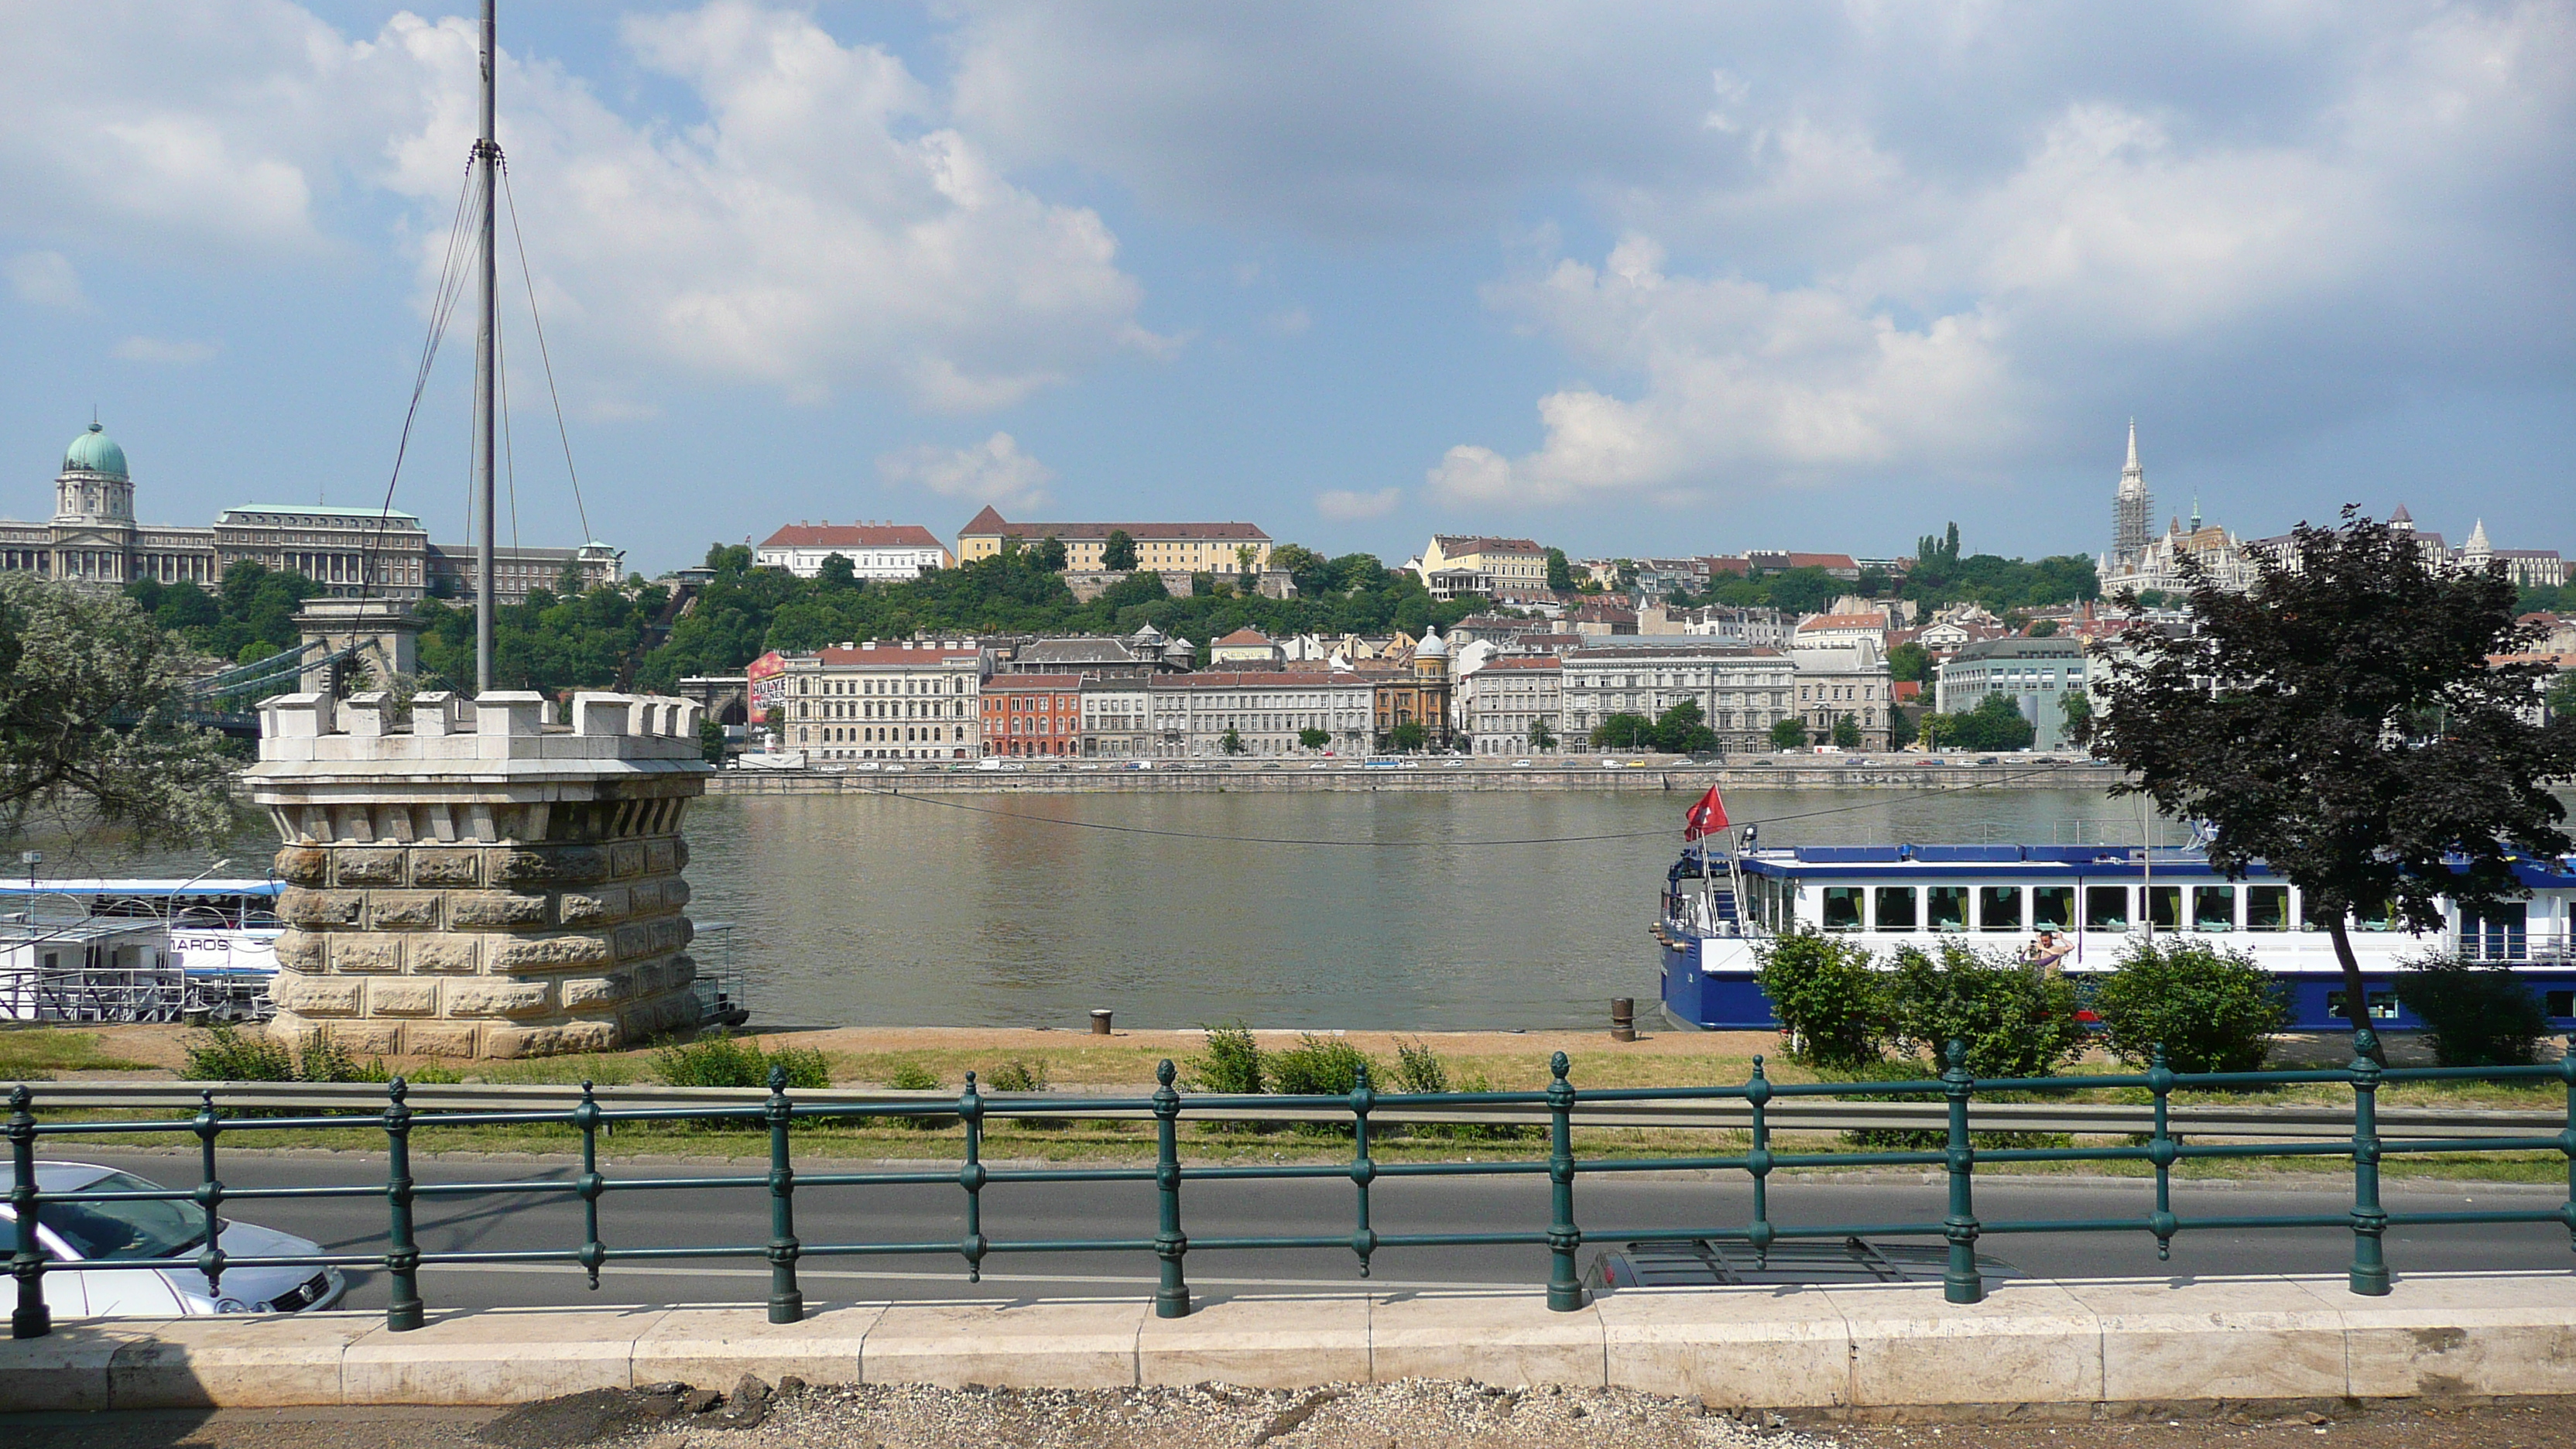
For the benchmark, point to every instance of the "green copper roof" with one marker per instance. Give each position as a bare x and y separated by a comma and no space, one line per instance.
94,452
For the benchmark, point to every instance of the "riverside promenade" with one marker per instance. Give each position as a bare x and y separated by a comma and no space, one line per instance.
1433,775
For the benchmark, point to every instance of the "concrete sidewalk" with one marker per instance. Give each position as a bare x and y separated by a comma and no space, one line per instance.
2032,1342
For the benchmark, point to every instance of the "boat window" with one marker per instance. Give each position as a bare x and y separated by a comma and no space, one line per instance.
2561,1004
2164,908
1842,908
2213,908
2267,908
2106,908
2052,908
2495,933
2383,1004
1896,908
1946,907
2379,917
1999,908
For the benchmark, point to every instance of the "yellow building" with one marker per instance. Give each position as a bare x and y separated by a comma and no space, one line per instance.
1210,548
1496,568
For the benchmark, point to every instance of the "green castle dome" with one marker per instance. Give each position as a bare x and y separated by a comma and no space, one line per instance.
95,452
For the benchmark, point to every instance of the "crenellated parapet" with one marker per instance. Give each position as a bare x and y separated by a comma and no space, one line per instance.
472,878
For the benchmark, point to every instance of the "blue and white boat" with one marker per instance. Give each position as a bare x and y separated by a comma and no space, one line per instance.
1719,909
113,950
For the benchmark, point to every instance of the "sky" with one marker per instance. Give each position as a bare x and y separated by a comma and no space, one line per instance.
1630,278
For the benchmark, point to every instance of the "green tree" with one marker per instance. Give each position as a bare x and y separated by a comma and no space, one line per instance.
1683,730
1847,733
1995,724
838,572
2561,698
92,705
1540,736
1832,1003
1624,731
2045,628
2016,1022
1900,728
1560,570
1314,739
2211,1010
1407,738
1050,555
1232,742
2289,720
1789,734
1118,551
2075,713
1247,560
1909,663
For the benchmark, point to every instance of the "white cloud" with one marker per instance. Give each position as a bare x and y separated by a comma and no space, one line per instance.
172,350
821,228
1342,505
45,279
993,471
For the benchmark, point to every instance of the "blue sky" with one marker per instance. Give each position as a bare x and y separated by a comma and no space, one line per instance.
1630,278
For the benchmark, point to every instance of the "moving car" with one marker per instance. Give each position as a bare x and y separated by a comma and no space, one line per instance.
74,1233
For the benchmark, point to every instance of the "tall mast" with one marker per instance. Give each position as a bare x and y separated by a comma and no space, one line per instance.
487,156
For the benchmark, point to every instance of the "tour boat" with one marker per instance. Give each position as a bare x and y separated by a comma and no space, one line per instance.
137,950
1720,908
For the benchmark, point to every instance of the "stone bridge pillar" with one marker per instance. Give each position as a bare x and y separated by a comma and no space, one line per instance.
384,632
478,880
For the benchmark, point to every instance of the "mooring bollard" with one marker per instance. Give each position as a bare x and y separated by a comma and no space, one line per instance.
1100,1023
1623,1018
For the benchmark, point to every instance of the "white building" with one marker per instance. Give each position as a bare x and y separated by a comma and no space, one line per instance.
892,701
1117,717
1502,701
2038,675
1741,692
1845,677
1266,711
875,550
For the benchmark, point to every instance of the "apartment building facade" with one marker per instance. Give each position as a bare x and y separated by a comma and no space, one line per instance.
1032,715
1265,710
887,701
875,550
1214,548
1741,691
1513,705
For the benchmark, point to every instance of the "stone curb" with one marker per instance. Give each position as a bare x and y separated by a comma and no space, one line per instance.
2032,1342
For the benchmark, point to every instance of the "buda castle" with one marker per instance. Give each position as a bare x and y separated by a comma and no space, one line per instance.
94,541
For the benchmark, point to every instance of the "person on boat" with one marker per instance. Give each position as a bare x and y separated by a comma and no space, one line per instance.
2049,950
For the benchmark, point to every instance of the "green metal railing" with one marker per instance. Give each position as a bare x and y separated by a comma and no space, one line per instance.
1959,1157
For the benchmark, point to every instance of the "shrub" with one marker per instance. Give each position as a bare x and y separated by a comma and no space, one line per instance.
1017,1075
912,1077
2214,1010
2015,1020
1831,1001
2474,1016
223,1054
719,1060
1418,1069
1231,1066
1317,1067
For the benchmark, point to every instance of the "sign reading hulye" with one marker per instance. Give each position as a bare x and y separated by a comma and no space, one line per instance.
767,679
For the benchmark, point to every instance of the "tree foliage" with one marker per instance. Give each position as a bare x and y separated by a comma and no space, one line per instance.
2016,1022
2474,1016
1846,733
1995,724
1118,551
2211,1010
1789,734
1909,662
92,705
249,615
2341,723
1832,1003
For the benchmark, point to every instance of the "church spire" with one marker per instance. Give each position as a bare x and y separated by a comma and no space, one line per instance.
2133,510
2131,467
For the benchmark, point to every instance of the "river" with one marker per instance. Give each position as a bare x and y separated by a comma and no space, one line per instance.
1373,911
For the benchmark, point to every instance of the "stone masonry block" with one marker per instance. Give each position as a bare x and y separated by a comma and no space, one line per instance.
446,955
351,953
299,951
316,995
304,865
626,859
539,865
634,939
403,910
594,991
366,1038
373,866
439,1039
595,907
550,953
483,910
485,997
662,857
446,866
680,853
403,996
534,1041
310,908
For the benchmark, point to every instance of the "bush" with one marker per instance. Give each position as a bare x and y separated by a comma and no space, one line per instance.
1418,1069
719,1060
914,1077
1317,1067
1017,1075
2213,1010
223,1054
2015,1020
1231,1066
2474,1016
1831,1001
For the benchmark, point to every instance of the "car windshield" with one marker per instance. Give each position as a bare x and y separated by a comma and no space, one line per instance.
124,1229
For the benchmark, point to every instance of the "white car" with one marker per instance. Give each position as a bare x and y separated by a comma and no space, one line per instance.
1520,764
73,1233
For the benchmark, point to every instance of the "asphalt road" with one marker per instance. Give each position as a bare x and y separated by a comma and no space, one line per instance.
740,1215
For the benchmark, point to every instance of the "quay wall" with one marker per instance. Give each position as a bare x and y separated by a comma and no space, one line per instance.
1249,778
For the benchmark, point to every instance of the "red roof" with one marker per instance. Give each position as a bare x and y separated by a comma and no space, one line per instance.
989,523
854,535
1521,661
1009,683
1246,635
894,654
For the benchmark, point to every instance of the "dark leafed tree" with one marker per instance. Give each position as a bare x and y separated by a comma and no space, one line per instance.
91,718
2342,723
1049,554
1118,551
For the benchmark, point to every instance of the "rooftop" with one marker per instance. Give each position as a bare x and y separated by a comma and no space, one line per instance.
989,523
853,535
290,513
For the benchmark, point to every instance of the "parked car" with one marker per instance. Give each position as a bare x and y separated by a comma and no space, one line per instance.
74,1233
1520,764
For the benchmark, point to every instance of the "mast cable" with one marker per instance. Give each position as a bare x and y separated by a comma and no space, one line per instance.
538,323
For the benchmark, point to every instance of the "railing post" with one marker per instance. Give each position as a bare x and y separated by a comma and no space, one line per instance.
210,1193
786,1304
585,1117
31,1319
1564,1289
1363,1171
2567,1138
2160,1151
2369,1220
1960,1282
403,1311
1759,1233
1172,1299
972,1176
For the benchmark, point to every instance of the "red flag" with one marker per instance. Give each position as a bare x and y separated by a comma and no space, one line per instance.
1706,817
